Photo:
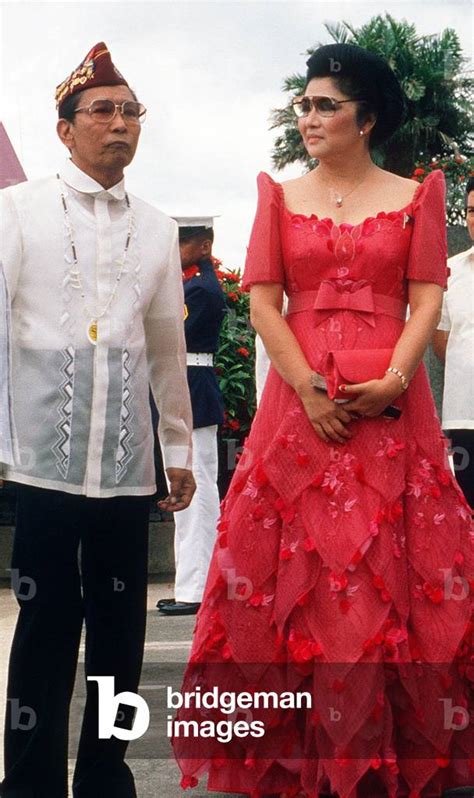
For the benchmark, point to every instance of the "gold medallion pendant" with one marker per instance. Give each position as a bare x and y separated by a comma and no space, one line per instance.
92,331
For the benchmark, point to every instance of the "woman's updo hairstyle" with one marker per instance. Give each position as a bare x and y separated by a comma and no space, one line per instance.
360,73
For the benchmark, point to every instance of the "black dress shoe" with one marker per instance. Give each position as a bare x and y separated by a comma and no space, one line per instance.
180,608
163,602
457,792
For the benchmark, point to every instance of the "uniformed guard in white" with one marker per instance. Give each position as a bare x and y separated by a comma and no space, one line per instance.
195,528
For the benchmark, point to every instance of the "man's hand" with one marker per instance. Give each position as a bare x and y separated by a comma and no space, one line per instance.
182,487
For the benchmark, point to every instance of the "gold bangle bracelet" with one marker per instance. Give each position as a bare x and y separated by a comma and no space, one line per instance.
400,375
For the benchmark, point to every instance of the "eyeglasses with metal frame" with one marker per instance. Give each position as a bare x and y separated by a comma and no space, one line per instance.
322,104
105,110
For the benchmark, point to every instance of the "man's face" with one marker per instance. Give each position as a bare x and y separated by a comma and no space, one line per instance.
192,250
99,146
470,214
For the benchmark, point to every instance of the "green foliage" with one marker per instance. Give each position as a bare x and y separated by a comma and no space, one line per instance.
235,358
457,169
439,94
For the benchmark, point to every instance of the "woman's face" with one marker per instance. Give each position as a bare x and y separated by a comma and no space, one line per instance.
331,136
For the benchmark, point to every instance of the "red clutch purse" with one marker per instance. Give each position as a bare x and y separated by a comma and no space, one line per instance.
353,366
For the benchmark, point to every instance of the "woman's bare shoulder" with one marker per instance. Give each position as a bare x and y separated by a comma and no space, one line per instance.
402,187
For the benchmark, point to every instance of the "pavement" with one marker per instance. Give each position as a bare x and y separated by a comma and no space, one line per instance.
167,648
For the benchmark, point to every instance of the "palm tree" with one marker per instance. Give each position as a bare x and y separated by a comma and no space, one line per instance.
439,94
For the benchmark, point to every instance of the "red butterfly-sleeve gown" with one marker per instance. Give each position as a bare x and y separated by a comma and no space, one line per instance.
345,570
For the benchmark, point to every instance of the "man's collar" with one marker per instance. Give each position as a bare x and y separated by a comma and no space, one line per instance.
80,181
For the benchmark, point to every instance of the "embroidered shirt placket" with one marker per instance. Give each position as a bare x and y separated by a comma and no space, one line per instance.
104,276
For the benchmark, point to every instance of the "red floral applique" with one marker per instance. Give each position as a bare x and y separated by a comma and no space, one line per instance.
258,513
286,553
337,582
302,649
302,459
261,477
389,447
435,594
287,514
187,782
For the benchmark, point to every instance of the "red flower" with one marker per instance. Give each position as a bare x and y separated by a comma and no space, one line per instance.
337,582
435,594
233,423
189,781
243,351
287,514
258,514
260,475
419,171
233,296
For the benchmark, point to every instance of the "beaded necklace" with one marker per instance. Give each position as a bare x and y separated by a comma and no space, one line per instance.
92,329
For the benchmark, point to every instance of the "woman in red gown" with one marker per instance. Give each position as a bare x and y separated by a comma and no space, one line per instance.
344,564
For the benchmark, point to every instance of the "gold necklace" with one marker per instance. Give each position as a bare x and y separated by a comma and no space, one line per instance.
92,329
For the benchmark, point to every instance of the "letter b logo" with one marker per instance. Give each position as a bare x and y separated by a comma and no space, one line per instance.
108,707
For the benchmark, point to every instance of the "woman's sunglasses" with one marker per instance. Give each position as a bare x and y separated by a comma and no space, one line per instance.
324,106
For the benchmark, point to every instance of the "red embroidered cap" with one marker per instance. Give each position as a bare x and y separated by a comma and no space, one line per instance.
96,69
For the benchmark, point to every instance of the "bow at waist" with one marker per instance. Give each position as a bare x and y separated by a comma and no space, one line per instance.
358,298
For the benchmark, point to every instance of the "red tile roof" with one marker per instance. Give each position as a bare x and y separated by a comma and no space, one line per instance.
11,170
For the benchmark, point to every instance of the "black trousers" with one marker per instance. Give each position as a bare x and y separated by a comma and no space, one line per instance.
54,601
462,443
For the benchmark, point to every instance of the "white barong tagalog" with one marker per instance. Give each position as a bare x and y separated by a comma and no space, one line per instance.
8,443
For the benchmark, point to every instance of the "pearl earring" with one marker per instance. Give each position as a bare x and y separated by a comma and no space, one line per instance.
361,132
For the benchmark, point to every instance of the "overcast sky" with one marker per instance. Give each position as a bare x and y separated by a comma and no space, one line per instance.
209,73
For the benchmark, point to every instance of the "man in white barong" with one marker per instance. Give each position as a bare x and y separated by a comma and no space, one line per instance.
94,279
